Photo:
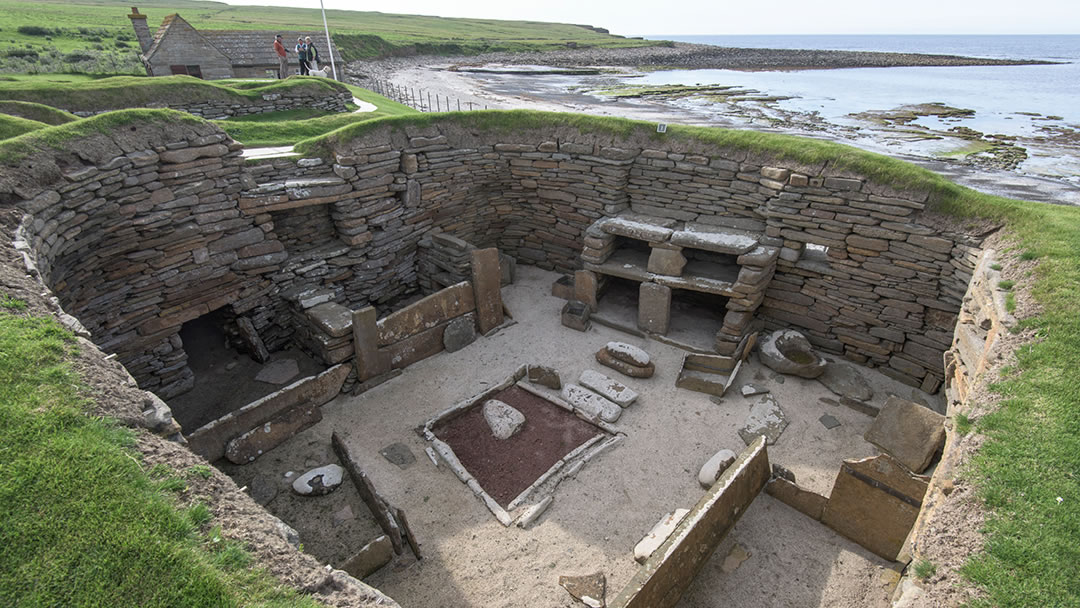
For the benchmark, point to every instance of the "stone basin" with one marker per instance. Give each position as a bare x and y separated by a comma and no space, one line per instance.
789,352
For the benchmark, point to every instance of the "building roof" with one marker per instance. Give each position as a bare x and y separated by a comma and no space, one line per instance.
175,21
256,47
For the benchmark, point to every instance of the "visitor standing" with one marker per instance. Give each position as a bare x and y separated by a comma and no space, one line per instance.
302,54
312,55
283,60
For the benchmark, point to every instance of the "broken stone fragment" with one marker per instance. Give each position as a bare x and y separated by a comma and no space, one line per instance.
545,376
589,403
370,557
766,418
909,432
612,390
534,512
789,352
749,390
845,380
504,420
319,481
657,535
715,467
734,558
588,589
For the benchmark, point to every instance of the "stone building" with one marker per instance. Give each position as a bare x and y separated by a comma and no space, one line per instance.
179,48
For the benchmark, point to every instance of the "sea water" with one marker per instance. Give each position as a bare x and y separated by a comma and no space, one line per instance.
1028,101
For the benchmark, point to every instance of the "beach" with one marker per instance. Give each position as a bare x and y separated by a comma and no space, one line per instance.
1017,152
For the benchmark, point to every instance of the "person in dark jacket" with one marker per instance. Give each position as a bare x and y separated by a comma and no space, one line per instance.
312,54
302,54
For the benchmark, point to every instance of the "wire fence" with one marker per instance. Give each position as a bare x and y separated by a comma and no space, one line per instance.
424,101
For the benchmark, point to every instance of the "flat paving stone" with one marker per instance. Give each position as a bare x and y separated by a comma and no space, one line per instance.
829,422
845,380
399,454
590,403
766,418
319,481
278,372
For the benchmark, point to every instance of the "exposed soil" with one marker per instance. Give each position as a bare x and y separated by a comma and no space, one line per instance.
506,468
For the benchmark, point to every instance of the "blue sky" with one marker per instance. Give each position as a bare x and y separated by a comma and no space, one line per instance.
636,17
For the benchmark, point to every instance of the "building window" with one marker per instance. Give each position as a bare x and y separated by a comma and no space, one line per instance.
186,70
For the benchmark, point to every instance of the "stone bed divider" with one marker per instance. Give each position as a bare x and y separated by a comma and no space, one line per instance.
661,581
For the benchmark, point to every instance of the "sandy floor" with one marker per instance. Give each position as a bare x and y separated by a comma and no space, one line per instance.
600,514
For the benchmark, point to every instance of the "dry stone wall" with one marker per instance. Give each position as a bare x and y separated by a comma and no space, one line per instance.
215,109
159,223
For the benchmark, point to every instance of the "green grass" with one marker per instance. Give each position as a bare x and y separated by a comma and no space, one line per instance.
36,111
995,266
131,91
924,569
290,126
80,521
1010,302
17,148
964,424
1006,284
13,126
96,35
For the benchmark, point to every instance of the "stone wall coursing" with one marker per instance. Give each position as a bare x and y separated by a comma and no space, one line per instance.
166,224
213,109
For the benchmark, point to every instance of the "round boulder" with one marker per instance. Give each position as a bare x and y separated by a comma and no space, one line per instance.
788,352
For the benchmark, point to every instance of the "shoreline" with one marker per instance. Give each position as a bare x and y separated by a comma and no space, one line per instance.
500,85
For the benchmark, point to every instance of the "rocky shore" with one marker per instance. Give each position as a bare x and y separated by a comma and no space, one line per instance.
700,56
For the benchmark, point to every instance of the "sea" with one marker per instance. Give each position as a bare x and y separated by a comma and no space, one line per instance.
1021,101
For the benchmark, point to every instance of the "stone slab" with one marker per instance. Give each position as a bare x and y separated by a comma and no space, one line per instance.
486,284
278,372
369,360
586,284
370,557
563,288
731,243
875,502
635,229
606,358
261,439
659,533
545,376
459,333
589,589
788,492
628,353
399,455
592,405
209,440
845,380
331,318
575,315
380,509
612,390
661,581
670,262
415,348
765,418
435,309
654,308
828,421
909,432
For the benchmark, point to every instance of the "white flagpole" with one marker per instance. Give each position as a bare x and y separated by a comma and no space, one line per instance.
329,48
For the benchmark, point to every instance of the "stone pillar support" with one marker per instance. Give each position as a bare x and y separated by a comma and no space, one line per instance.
585,286
654,308
369,361
486,282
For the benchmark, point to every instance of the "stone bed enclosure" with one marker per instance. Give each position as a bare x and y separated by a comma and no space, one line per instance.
159,221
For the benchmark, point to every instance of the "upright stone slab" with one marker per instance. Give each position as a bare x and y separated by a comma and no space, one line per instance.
665,576
486,282
263,438
369,361
654,308
585,286
874,502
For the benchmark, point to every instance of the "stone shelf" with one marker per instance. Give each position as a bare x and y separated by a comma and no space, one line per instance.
705,277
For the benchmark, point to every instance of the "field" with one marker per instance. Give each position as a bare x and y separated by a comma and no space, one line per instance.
96,37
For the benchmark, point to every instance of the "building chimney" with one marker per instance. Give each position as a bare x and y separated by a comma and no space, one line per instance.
142,32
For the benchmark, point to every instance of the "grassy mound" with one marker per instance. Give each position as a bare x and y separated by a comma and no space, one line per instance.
13,126
290,126
82,523
131,91
36,111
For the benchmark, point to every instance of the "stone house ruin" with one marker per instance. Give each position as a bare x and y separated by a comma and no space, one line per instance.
375,254
179,48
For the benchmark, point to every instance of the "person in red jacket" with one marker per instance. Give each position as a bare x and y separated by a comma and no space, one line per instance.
283,60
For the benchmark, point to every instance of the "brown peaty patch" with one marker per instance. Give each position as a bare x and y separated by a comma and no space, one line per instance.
505,468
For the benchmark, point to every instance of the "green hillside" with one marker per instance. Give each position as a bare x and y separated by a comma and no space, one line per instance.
95,36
